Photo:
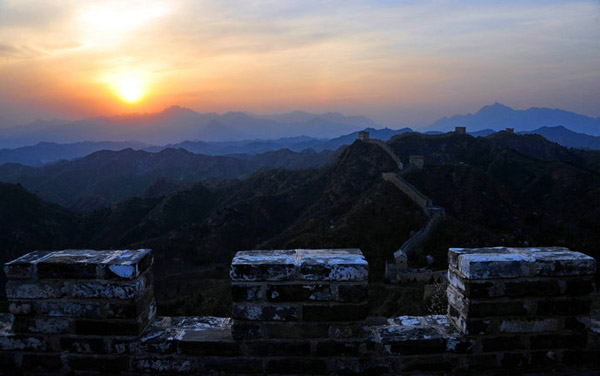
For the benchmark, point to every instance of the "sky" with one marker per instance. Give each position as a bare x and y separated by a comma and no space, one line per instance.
402,63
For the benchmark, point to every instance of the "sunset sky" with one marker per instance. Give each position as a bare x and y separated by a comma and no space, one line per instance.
398,62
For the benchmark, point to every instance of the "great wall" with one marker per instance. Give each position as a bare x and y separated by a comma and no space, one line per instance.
511,311
304,311
397,270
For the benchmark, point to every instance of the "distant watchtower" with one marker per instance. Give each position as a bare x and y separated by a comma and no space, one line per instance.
460,130
401,260
363,135
510,130
416,161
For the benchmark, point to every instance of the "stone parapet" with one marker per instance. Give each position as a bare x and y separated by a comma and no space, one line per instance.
266,340
314,291
81,292
529,298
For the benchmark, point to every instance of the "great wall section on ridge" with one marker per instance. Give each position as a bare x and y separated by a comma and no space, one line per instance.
396,271
510,311
303,312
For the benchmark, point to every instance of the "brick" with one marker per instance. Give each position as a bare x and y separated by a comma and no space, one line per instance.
542,287
84,345
208,342
353,292
66,271
277,348
277,265
297,330
230,366
247,293
35,290
567,306
333,265
340,348
435,363
279,312
360,366
167,364
103,363
336,312
38,343
479,362
295,365
45,325
500,343
10,361
543,358
579,286
22,268
581,357
243,329
512,360
43,362
108,327
496,308
501,262
347,329
558,340
100,289
299,292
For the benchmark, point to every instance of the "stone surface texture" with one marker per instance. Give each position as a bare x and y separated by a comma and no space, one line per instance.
300,312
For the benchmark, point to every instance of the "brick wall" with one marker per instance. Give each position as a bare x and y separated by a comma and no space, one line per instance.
299,312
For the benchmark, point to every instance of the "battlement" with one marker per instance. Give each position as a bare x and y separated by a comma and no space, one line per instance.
299,312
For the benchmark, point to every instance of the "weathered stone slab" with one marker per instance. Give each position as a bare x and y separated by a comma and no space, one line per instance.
271,312
333,265
275,265
500,262
300,264
80,264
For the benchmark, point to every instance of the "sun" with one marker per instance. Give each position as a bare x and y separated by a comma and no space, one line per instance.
130,89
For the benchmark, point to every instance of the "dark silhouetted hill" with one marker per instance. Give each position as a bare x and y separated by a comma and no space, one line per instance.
106,177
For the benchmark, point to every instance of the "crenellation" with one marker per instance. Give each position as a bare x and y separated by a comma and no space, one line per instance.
307,313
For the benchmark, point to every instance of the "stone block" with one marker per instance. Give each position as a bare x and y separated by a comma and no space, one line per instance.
339,347
311,366
270,312
276,265
529,287
165,364
558,340
336,312
294,330
263,348
241,292
80,264
241,329
501,262
100,363
299,292
85,345
42,362
333,265
301,264
207,342
43,325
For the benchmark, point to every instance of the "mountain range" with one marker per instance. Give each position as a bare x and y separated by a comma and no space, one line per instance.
176,124
107,177
502,189
498,116
219,134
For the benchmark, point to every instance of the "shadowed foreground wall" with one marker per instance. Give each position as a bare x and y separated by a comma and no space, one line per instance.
300,312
